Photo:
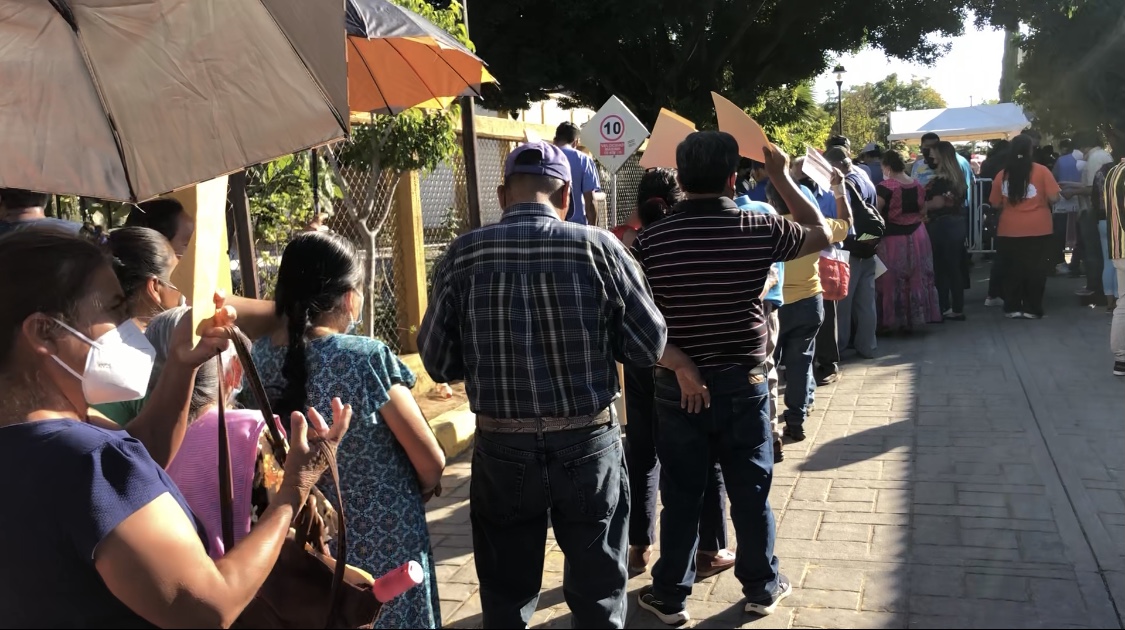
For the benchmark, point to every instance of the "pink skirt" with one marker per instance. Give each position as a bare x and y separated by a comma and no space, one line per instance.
907,297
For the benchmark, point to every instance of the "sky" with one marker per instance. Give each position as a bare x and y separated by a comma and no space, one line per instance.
968,74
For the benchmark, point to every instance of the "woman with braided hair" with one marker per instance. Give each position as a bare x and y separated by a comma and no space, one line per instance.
390,461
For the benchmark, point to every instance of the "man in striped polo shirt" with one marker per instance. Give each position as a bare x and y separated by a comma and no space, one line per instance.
707,264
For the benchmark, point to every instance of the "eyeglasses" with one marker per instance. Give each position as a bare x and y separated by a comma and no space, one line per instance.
169,285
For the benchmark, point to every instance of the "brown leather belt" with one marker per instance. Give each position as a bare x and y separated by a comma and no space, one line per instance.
488,424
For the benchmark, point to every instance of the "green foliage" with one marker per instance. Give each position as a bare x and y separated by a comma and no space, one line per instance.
1072,74
791,118
670,53
281,198
414,140
867,106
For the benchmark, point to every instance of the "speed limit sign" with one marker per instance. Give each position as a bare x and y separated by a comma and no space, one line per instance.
613,135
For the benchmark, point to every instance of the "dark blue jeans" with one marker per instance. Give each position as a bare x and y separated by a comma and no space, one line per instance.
644,469
796,345
735,430
578,479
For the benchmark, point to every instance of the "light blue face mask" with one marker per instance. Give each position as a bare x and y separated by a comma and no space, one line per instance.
353,327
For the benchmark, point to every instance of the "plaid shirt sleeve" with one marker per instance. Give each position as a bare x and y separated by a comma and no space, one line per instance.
439,337
639,332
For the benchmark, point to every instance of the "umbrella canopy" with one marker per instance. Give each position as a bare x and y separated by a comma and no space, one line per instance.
128,100
397,60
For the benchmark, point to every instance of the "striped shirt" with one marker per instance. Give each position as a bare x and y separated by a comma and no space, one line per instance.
707,264
534,313
1113,198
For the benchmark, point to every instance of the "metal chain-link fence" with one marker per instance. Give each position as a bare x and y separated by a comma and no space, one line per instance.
624,188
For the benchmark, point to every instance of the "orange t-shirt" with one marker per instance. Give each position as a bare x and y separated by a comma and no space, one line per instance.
1032,216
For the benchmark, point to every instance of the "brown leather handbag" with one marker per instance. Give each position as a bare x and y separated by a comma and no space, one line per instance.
307,587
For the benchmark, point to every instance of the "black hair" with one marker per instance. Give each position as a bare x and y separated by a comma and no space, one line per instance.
838,155
317,270
838,141
1017,170
657,193
1066,145
706,160
139,254
17,199
876,153
567,132
999,146
893,160
64,265
929,135
745,164
161,215
1087,139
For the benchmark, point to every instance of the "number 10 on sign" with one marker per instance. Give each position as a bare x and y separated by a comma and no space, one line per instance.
613,135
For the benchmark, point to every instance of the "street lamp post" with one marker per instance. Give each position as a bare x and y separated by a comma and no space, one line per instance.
839,70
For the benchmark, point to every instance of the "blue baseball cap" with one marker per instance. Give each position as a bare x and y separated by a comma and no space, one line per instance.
538,158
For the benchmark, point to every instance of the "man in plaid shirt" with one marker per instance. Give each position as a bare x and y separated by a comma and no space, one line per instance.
533,313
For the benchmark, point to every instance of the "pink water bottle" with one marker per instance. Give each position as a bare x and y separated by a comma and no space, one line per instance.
397,582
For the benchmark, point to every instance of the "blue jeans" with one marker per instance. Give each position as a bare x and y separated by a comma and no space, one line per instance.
1109,272
578,478
735,430
644,469
796,346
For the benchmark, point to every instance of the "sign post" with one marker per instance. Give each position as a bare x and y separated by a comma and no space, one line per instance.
613,135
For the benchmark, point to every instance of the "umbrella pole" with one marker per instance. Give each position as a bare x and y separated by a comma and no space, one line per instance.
244,233
469,144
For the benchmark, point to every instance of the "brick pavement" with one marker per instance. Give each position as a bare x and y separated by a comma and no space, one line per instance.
971,476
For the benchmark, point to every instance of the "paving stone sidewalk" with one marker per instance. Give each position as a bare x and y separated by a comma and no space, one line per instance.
971,476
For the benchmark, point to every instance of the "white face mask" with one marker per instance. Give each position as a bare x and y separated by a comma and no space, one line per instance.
118,366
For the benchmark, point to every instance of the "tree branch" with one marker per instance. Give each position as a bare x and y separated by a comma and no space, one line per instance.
736,39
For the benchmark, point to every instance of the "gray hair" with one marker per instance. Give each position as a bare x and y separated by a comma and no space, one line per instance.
160,332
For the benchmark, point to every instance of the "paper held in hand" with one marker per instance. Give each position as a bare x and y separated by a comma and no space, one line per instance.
205,266
669,131
751,139
817,168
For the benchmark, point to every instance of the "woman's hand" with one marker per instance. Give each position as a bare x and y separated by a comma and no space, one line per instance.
837,177
214,337
309,457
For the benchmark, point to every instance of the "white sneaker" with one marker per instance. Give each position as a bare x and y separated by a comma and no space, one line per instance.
948,312
1032,316
1014,315
994,301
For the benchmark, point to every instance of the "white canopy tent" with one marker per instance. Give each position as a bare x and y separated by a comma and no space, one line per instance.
960,124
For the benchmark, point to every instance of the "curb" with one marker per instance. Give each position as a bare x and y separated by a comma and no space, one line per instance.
454,430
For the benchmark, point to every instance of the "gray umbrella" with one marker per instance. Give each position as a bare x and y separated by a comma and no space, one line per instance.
128,100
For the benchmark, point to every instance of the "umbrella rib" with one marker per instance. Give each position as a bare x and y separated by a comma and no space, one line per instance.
390,42
108,114
343,120
442,59
372,75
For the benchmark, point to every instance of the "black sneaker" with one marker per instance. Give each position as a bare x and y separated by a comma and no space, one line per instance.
664,612
766,607
778,455
827,379
795,433
1119,368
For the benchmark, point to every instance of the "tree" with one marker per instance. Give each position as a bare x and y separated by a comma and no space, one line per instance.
1072,73
669,53
791,118
867,106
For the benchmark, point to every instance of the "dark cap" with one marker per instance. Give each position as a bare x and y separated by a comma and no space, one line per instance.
538,158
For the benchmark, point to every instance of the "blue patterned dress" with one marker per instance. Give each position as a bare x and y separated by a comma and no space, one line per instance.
386,516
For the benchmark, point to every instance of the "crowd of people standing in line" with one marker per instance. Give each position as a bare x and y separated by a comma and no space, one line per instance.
705,295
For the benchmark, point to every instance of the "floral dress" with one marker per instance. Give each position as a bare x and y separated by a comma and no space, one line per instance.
386,516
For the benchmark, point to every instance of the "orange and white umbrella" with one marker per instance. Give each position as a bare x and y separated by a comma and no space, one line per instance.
397,60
